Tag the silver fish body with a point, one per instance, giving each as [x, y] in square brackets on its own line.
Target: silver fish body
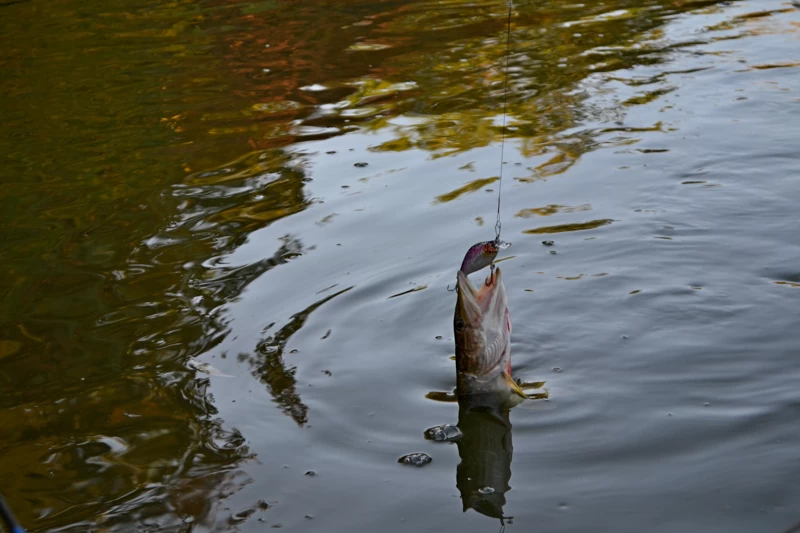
[482, 329]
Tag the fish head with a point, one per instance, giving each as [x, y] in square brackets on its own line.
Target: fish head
[482, 326]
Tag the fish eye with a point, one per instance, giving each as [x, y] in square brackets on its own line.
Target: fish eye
[459, 325]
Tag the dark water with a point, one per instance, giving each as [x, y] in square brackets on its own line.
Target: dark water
[178, 189]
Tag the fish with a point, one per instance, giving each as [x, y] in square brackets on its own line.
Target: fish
[482, 331]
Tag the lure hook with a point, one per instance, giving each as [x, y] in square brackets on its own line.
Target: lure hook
[490, 279]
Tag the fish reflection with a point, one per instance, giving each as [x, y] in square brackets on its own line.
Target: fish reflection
[483, 475]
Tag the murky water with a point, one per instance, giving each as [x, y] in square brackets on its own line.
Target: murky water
[228, 228]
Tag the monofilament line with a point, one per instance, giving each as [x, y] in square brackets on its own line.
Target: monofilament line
[498, 226]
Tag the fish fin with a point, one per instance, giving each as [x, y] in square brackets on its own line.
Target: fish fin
[442, 397]
[515, 388]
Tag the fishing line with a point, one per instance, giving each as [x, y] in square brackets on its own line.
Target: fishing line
[498, 225]
[482, 254]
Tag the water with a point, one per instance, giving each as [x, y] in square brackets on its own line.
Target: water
[443, 433]
[205, 296]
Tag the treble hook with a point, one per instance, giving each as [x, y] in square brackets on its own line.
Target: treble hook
[490, 279]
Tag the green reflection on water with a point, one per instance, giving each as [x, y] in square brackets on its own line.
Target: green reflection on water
[580, 226]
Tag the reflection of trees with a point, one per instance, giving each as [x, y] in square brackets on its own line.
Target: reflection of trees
[440, 62]
[227, 283]
[269, 366]
[220, 207]
[126, 433]
[486, 448]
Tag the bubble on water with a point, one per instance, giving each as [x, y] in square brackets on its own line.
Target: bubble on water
[415, 459]
[443, 433]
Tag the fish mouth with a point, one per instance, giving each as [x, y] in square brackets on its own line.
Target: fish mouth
[476, 304]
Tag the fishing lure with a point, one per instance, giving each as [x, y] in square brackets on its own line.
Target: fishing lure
[482, 255]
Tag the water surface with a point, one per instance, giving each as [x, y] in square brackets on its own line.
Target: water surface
[214, 316]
